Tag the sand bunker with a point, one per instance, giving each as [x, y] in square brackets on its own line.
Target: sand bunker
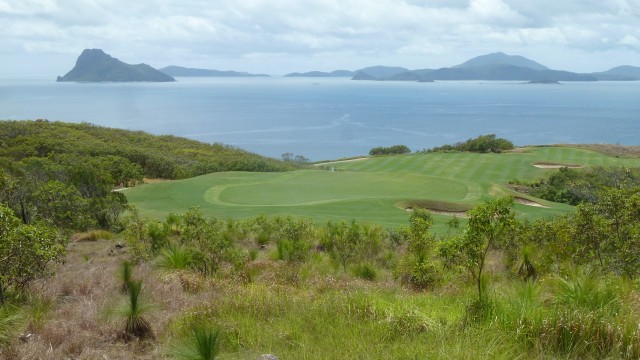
[528, 202]
[556, 166]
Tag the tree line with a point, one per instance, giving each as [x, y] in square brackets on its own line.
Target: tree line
[481, 144]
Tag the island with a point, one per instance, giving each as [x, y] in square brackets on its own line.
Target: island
[495, 66]
[94, 65]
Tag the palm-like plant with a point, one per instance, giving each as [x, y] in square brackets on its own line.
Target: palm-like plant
[126, 272]
[135, 325]
[175, 258]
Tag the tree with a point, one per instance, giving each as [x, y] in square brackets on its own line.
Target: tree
[489, 225]
[62, 205]
[25, 251]
[344, 242]
[391, 150]
[418, 268]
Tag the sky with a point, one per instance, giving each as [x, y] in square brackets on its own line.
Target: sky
[45, 37]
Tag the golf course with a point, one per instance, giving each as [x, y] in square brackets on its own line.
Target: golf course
[372, 190]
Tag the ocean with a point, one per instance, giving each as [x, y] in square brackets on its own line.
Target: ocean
[330, 118]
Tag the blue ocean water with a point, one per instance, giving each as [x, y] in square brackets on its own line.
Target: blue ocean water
[333, 118]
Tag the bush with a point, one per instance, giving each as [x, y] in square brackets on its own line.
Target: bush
[420, 273]
[480, 144]
[365, 271]
[391, 150]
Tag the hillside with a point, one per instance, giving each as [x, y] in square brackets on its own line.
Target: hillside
[96, 65]
[500, 58]
[623, 73]
[173, 70]
[496, 66]
[160, 156]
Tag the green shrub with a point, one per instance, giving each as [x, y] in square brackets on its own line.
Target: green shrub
[419, 273]
[158, 235]
[365, 271]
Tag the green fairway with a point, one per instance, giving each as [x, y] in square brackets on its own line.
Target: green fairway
[368, 190]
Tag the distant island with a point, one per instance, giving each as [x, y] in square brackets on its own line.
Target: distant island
[494, 66]
[173, 70]
[94, 65]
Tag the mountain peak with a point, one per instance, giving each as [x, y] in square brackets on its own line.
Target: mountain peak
[500, 58]
[96, 65]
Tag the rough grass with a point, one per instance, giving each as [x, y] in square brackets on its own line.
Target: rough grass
[315, 311]
[622, 151]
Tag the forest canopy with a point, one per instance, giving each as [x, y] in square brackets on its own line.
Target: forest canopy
[165, 156]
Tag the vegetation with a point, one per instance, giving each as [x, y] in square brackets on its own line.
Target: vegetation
[125, 155]
[508, 281]
[480, 144]
[25, 252]
[391, 150]
[576, 186]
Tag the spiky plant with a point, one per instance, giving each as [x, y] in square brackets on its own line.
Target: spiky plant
[203, 343]
[135, 325]
[175, 258]
[126, 273]
[527, 269]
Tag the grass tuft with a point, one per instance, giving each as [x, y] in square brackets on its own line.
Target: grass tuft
[202, 343]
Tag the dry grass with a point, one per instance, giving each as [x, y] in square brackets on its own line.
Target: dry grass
[609, 149]
[82, 290]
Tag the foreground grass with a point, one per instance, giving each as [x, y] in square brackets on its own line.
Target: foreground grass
[316, 311]
[373, 190]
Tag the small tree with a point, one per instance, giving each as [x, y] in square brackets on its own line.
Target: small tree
[488, 226]
[25, 251]
[418, 269]
[344, 242]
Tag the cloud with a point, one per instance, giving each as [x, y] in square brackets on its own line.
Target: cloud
[412, 33]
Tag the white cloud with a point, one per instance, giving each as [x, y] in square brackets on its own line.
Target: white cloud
[630, 40]
[234, 33]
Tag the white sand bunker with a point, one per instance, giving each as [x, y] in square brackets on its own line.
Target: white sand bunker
[556, 166]
[528, 202]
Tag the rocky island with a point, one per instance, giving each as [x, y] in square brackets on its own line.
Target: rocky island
[94, 65]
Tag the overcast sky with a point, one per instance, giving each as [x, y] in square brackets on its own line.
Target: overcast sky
[44, 37]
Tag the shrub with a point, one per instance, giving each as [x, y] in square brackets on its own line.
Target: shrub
[365, 271]
[419, 273]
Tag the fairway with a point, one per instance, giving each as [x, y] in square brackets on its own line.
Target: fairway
[366, 190]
